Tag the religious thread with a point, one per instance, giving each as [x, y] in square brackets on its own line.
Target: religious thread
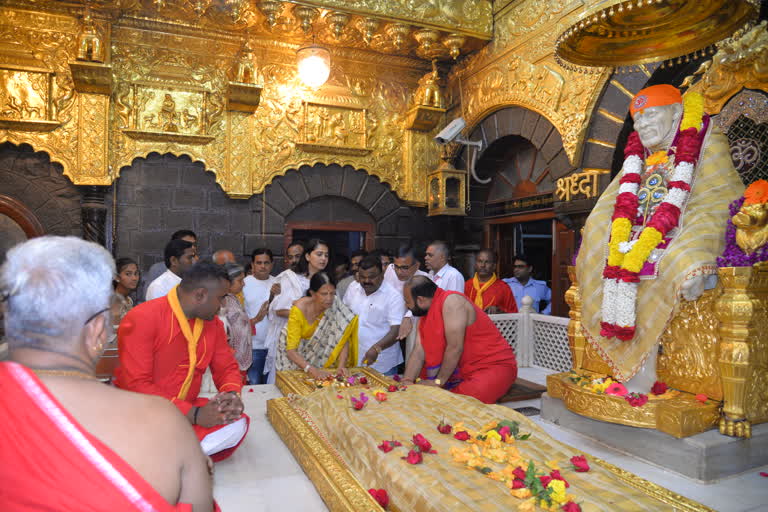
[627, 256]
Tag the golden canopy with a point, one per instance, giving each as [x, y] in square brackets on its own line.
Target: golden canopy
[630, 32]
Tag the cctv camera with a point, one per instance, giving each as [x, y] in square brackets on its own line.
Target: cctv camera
[450, 132]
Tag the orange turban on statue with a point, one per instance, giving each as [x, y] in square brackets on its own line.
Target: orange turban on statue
[655, 96]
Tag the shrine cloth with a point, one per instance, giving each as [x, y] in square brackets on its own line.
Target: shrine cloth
[51, 462]
[487, 367]
[155, 359]
[439, 483]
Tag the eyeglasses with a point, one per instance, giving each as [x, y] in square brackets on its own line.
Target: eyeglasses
[521, 266]
[95, 315]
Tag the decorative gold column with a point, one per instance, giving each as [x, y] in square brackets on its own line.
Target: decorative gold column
[735, 309]
[576, 339]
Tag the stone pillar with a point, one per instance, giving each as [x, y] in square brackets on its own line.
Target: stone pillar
[94, 213]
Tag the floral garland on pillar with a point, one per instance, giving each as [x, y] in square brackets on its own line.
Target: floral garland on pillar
[626, 257]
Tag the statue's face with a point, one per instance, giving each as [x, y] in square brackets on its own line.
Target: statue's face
[656, 125]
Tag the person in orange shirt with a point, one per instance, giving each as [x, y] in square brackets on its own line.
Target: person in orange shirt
[165, 346]
[485, 290]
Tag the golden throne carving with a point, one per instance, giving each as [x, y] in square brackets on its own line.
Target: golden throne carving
[716, 345]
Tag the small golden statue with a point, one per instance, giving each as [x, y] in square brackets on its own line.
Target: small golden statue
[429, 93]
[89, 47]
[244, 72]
[751, 221]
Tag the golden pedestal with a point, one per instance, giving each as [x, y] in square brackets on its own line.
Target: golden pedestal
[713, 346]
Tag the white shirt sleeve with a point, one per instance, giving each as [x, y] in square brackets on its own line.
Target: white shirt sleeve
[396, 309]
[453, 281]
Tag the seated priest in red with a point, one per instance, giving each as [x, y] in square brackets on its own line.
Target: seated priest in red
[69, 441]
[458, 347]
[485, 290]
[165, 346]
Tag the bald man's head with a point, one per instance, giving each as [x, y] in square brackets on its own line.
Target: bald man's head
[223, 256]
[418, 293]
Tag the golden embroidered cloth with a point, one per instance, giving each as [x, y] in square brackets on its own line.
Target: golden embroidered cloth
[693, 251]
[440, 484]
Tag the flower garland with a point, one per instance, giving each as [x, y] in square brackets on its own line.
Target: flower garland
[626, 257]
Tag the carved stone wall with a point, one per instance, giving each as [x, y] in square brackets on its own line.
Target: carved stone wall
[160, 194]
[31, 178]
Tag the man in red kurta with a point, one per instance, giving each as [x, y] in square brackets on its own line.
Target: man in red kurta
[165, 346]
[459, 347]
[489, 293]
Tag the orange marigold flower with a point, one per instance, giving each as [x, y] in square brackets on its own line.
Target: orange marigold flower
[756, 193]
[659, 157]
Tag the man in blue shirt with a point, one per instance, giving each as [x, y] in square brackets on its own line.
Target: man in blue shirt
[523, 285]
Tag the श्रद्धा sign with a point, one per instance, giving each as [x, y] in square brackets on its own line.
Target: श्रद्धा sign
[585, 182]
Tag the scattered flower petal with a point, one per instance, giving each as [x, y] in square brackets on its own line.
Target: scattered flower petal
[580, 463]
[462, 435]
[659, 388]
[702, 398]
[413, 457]
[381, 497]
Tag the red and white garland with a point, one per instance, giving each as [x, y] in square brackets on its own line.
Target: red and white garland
[626, 257]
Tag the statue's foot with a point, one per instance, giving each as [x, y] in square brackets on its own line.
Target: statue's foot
[735, 428]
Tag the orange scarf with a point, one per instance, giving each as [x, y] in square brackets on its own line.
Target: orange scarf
[480, 289]
[192, 336]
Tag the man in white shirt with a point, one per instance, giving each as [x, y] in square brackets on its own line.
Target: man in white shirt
[259, 290]
[444, 275]
[180, 255]
[354, 262]
[405, 266]
[380, 309]
[159, 268]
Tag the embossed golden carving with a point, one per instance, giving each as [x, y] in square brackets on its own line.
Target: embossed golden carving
[576, 340]
[741, 63]
[742, 310]
[203, 118]
[583, 183]
[470, 16]
[751, 223]
[89, 41]
[680, 416]
[691, 348]
[335, 483]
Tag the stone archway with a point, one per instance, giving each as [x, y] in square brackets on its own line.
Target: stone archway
[341, 194]
[33, 180]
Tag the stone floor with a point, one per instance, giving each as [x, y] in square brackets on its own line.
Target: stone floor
[264, 476]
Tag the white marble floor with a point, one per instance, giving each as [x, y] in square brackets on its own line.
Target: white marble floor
[263, 475]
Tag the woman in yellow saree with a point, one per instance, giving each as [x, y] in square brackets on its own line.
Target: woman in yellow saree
[321, 332]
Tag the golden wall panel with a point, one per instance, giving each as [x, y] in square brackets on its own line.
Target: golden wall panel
[169, 95]
[518, 68]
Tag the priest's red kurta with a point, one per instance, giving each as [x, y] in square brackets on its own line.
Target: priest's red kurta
[487, 367]
[154, 358]
[499, 294]
[50, 462]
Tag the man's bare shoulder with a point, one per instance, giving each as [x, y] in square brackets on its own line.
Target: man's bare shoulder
[455, 302]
